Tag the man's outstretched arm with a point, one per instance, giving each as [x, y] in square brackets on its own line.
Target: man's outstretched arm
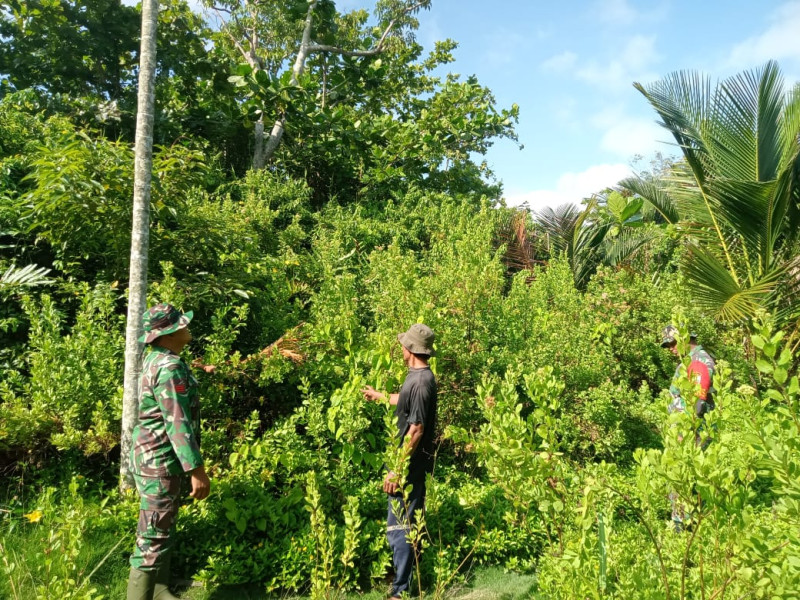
[370, 393]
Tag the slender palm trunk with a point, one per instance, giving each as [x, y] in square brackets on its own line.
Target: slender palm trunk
[140, 233]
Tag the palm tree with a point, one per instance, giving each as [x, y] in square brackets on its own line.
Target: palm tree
[595, 235]
[567, 233]
[735, 195]
[140, 233]
[524, 247]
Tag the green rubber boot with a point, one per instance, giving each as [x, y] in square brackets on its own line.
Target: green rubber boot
[140, 584]
[161, 590]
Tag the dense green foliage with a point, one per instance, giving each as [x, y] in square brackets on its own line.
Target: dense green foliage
[556, 455]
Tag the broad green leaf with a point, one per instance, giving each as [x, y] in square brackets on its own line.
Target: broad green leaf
[764, 366]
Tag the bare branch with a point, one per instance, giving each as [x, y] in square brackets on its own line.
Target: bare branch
[233, 38]
[391, 25]
[306, 48]
[219, 9]
[342, 52]
[253, 39]
[305, 42]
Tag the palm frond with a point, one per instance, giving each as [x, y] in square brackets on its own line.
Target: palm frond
[771, 99]
[792, 228]
[791, 150]
[521, 242]
[690, 199]
[568, 232]
[736, 197]
[589, 236]
[683, 101]
[27, 276]
[655, 193]
[783, 218]
[715, 289]
[628, 243]
[747, 207]
[559, 226]
[790, 132]
[789, 306]
[744, 133]
[586, 252]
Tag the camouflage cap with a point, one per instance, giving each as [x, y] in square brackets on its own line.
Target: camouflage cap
[163, 319]
[669, 333]
[418, 339]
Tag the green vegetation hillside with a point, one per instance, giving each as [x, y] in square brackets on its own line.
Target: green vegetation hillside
[556, 453]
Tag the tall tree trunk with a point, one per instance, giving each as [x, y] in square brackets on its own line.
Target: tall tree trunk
[265, 148]
[140, 234]
[274, 139]
[258, 145]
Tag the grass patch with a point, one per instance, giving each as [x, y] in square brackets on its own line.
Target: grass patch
[495, 584]
[63, 549]
[487, 584]
[28, 560]
[38, 563]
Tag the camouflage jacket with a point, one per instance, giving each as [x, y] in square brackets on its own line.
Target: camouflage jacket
[701, 371]
[166, 439]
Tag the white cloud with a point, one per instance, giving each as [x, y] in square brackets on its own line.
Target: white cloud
[571, 187]
[626, 135]
[634, 136]
[631, 64]
[429, 32]
[616, 11]
[560, 62]
[502, 47]
[781, 40]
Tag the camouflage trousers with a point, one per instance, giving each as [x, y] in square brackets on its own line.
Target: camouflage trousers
[158, 511]
[679, 513]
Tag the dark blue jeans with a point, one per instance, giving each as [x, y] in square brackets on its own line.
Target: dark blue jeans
[401, 517]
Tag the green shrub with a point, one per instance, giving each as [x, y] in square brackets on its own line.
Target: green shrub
[733, 541]
[71, 394]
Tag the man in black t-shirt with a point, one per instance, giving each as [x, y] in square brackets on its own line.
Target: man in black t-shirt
[416, 428]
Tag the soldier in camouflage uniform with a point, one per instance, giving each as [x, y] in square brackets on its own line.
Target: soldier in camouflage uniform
[701, 371]
[166, 445]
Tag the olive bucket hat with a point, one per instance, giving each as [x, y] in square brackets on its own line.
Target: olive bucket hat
[163, 319]
[418, 339]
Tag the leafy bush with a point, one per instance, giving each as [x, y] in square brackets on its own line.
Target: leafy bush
[734, 542]
[72, 394]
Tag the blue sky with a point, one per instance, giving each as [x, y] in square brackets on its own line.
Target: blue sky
[570, 65]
